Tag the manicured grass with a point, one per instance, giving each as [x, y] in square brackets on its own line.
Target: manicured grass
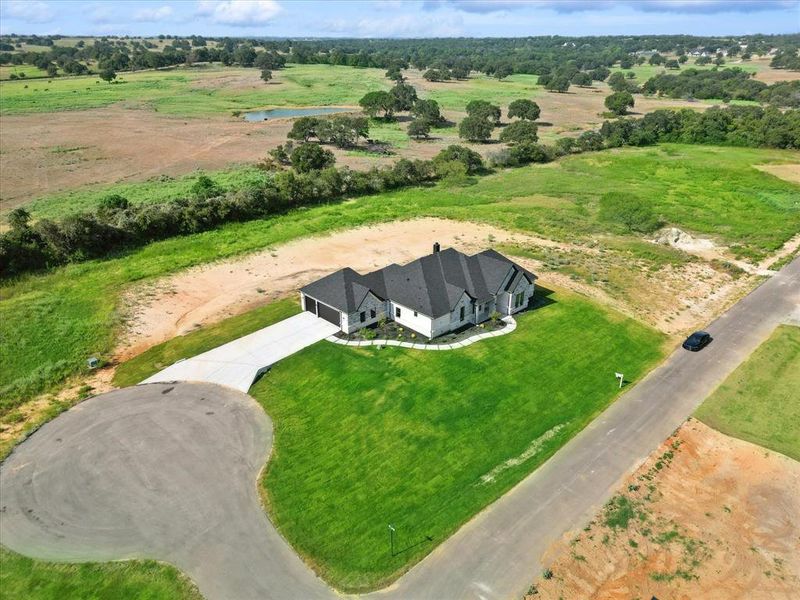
[202, 340]
[760, 401]
[22, 577]
[369, 437]
[50, 323]
[192, 91]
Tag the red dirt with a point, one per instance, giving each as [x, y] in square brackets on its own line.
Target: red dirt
[735, 511]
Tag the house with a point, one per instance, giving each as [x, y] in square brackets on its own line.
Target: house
[433, 295]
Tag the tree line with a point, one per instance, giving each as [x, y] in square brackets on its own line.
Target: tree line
[117, 225]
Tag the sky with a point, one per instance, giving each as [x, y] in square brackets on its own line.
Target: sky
[398, 18]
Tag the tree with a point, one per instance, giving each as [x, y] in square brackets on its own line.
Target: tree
[629, 210]
[600, 73]
[111, 204]
[672, 64]
[419, 128]
[518, 132]
[524, 109]
[266, 75]
[19, 218]
[342, 131]
[475, 129]
[559, 84]
[617, 82]
[471, 160]
[435, 75]
[657, 59]
[304, 128]
[503, 71]
[582, 79]
[626, 63]
[427, 110]
[311, 157]
[205, 188]
[374, 102]
[404, 97]
[484, 110]
[108, 75]
[52, 70]
[619, 102]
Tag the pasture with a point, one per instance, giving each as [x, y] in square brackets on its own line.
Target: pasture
[423, 440]
[52, 322]
[760, 401]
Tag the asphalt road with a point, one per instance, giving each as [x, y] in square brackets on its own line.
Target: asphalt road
[169, 471]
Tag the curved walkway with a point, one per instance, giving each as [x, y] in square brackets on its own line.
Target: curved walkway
[511, 325]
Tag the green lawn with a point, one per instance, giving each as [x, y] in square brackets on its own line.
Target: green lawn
[424, 440]
[22, 577]
[201, 340]
[50, 323]
[184, 91]
[760, 401]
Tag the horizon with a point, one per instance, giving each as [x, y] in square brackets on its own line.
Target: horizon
[400, 19]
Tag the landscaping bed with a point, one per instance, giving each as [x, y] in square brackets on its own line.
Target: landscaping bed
[391, 330]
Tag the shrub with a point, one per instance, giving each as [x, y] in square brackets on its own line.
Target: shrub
[629, 210]
[471, 160]
[519, 131]
[311, 157]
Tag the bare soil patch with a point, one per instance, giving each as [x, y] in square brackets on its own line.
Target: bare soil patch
[788, 172]
[710, 517]
[672, 299]
[44, 154]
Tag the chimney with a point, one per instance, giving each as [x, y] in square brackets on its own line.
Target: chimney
[436, 247]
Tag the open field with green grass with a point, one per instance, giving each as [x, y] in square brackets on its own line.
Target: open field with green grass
[29, 71]
[423, 440]
[50, 323]
[201, 340]
[760, 401]
[455, 95]
[645, 72]
[22, 577]
[197, 91]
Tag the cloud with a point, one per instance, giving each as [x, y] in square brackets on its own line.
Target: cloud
[397, 26]
[572, 6]
[30, 11]
[153, 15]
[239, 13]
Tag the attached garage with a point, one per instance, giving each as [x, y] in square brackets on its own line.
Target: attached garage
[329, 314]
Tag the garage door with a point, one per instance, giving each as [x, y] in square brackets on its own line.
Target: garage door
[329, 314]
[311, 305]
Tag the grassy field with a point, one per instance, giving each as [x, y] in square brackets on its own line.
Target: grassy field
[201, 340]
[455, 95]
[51, 323]
[645, 72]
[26, 70]
[197, 91]
[158, 189]
[22, 577]
[760, 401]
[424, 440]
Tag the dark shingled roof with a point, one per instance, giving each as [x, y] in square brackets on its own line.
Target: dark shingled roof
[431, 285]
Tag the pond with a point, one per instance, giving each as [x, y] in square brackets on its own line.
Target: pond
[288, 113]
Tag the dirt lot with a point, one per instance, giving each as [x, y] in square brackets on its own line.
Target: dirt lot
[672, 299]
[706, 516]
[787, 172]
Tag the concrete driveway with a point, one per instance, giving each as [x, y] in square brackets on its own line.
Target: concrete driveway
[164, 471]
[237, 363]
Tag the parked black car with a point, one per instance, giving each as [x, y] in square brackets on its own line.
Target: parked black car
[697, 341]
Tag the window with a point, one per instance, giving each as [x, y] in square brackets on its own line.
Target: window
[372, 313]
[363, 316]
[519, 299]
[461, 314]
[415, 313]
[397, 311]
